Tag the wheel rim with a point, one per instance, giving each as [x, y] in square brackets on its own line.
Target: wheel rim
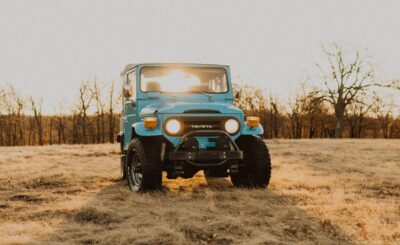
[135, 176]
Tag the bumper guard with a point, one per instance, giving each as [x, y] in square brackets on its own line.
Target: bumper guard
[191, 157]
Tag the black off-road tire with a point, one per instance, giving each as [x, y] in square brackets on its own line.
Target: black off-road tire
[147, 150]
[123, 157]
[123, 169]
[256, 171]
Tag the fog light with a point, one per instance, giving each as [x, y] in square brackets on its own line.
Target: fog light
[253, 122]
[150, 122]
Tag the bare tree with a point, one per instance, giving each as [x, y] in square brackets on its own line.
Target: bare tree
[112, 98]
[252, 101]
[356, 116]
[296, 113]
[51, 131]
[10, 112]
[60, 123]
[19, 121]
[275, 116]
[85, 99]
[74, 118]
[32, 135]
[296, 117]
[384, 113]
[316, 116]
[395, 128]
[36, 107]
[3, 127]
[344, 81]
[100, 125]
[12, 116]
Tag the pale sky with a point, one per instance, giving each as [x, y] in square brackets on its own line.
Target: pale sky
[48, 47]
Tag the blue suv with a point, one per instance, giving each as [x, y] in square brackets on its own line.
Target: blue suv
[180, 119]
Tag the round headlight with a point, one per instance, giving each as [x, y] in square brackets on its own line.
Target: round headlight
[173, 126]
[232, 126]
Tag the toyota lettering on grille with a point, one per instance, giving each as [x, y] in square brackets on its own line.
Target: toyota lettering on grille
[201, 126]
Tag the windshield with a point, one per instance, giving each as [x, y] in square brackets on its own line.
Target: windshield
[181, 80]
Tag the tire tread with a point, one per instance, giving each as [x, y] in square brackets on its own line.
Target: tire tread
[149, 153]
[257, 172]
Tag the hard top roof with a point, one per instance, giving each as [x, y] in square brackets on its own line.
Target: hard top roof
[131, 66]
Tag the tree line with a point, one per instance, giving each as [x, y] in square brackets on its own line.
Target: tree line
[346, 101]
[93, 119]
[307, 116]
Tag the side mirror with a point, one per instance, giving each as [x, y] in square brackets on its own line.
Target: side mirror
[127, 91]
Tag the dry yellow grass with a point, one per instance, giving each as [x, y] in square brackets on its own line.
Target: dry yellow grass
[322, 191]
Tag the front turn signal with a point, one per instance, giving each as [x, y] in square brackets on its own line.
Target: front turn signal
[253, 122]
[150, 122]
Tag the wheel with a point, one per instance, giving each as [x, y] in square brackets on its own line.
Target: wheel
[256, 171]
[123, 169]
[144, 165]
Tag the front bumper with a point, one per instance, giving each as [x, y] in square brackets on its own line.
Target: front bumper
[205, 155]
[200, 158]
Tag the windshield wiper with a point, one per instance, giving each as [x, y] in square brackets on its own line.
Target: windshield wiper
[210, 97]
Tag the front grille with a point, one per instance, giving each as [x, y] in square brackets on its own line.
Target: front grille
[199, 123]
[200, 111]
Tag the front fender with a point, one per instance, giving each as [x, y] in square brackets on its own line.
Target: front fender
[252, 131]
[142, 131]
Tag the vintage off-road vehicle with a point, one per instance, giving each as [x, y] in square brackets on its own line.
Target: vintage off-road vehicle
[180, 118]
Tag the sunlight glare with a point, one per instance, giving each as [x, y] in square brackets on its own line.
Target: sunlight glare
[178, 81]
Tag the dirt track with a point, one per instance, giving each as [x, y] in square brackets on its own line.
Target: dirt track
[322, 191]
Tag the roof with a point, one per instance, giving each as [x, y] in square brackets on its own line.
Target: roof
[131, 66]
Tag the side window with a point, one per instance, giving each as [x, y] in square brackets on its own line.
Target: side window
[218, 84]
[132, 81]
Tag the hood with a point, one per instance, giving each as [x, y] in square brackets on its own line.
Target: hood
[185, 107]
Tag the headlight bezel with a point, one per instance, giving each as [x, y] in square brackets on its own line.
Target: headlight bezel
[172, 120]
[237, 126]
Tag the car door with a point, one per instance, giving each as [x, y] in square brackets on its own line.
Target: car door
[130, 106]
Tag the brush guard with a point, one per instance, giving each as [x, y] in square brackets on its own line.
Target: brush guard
[192, 156]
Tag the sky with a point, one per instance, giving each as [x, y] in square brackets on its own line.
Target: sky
[48, 47]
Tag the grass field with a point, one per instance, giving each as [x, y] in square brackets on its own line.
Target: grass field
[321, 191]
